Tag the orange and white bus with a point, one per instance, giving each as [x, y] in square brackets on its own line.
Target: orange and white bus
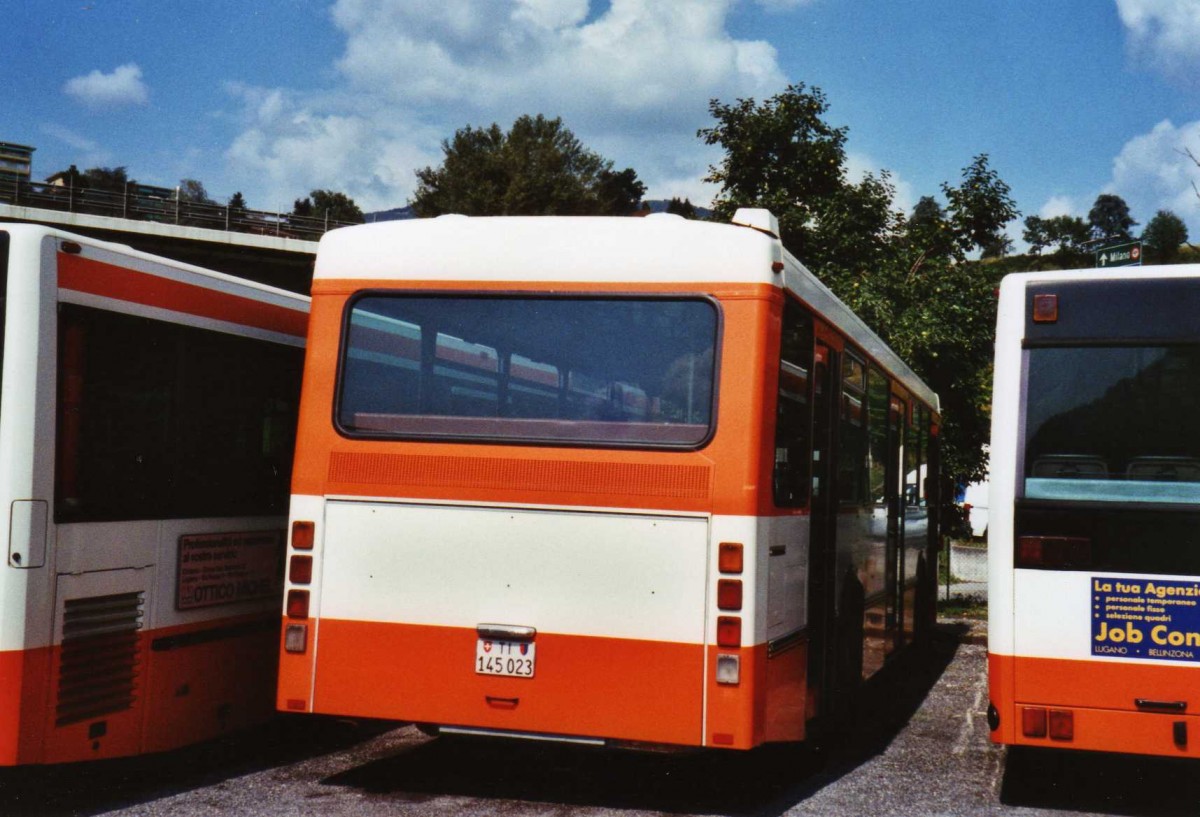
[147, 422]
[1094, 552]
[608, 480]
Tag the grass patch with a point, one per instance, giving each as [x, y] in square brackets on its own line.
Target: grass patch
[963, 607]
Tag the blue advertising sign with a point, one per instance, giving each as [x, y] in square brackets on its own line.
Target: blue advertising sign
[1146, 618]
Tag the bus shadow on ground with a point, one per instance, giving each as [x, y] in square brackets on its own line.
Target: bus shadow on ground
[766, 781]
[1132, 785]
[104, 785]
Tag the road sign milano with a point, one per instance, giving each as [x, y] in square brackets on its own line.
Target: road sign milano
[1120, 255]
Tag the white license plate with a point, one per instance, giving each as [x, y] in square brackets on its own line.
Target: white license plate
[513, 658]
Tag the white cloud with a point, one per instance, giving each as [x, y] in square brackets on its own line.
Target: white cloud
[294, 147]
[1059, 206]
[1165, 32]
[632, 80]
[1152, 173]
[98, 91]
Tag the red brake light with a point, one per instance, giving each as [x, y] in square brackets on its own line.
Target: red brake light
[1033, 722]
[1062, 724]
[303, 535]
[729, 557]
[1054, 551]
[300, 570]
[729, 594]
[297, 604]
[729, 631]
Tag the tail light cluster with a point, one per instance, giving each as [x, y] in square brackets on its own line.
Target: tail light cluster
[1063, 552]
[300, 572]
[730, 562]
[1038, 722]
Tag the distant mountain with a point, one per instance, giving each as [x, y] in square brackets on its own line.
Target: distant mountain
[401, 213]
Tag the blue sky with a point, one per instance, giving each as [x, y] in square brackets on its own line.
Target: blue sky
[274, 98]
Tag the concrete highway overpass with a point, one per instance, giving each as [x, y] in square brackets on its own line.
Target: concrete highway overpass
[273, 259]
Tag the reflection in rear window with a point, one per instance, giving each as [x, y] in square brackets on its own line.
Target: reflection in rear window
[609, 371]
[1113, 424]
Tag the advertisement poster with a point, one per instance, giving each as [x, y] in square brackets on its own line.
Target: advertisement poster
[1146, 618]
[227, 568]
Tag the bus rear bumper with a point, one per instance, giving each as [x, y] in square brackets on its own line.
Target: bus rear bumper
[1104, 730]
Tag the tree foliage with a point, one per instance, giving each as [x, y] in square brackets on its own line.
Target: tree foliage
[1067, 236]
[781, 155]
[329, 204]
[683, 207]
[538, 168]
[111, 179]
[908, 277]
[193, 191]
[1109, 218]
[979, 206]
[1163, 237]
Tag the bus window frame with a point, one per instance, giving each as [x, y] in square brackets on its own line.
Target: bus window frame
[543, 442]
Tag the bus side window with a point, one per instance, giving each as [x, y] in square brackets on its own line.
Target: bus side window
[853, 454]
[793, 413]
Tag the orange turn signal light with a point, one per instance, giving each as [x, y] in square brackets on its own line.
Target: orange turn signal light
[729, 557]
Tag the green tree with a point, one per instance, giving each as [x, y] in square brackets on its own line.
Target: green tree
[329, 205]
[1163, 237]
[237, 203]
[980, 206]
[908, 278]
[538, 168]
[1067, 235]
[682, 207]
[781, 155]
[193, 191]
[107, 178]
[1109, 218]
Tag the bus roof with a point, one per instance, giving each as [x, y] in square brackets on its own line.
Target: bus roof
[591, 250]
[148, 262]
[568, 249]
[1107, 273]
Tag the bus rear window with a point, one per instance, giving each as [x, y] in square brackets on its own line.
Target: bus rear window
[572, 370]
[1113, 424]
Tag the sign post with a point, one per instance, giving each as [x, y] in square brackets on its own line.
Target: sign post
[1128, 254]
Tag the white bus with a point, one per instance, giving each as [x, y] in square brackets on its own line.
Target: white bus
[147, 421]
[609, 480]
[1094, 532]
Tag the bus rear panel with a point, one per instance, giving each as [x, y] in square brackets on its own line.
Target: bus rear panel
[1094, 575]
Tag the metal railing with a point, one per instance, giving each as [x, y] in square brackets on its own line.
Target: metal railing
[164, 206]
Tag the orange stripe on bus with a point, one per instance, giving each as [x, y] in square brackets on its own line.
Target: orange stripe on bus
[106, 280]
[1101, 695]
[584, 686]
[198, 689]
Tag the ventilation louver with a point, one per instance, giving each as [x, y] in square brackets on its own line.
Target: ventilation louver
[101, 655]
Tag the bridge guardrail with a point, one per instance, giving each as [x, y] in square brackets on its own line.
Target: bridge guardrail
[162, 205]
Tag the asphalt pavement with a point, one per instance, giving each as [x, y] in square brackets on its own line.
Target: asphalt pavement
[918, 745]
